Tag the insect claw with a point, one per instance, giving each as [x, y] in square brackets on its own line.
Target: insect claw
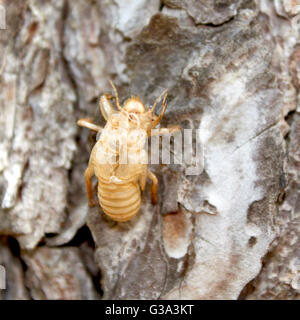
[154, 199]
[92, 203]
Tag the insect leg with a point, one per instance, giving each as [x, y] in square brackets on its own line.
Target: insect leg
[164, 107]
[154, 186]
[89, 172]
[165, 92]
[143, 179]
[106, 107]
[87, 123]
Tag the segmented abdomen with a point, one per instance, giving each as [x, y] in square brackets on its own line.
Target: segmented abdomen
[120, 202]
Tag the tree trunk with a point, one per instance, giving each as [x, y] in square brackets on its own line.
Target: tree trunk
[232, 70]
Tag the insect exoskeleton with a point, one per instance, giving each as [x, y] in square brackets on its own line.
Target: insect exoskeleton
[119, 159]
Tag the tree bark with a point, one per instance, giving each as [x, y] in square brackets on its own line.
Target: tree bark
[232, 70]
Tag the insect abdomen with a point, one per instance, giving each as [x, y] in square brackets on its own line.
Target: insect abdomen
[120, 202]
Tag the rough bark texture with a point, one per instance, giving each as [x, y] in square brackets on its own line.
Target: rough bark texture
[233, 73]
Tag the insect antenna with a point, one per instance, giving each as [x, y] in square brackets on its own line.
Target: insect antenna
[116, 94]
